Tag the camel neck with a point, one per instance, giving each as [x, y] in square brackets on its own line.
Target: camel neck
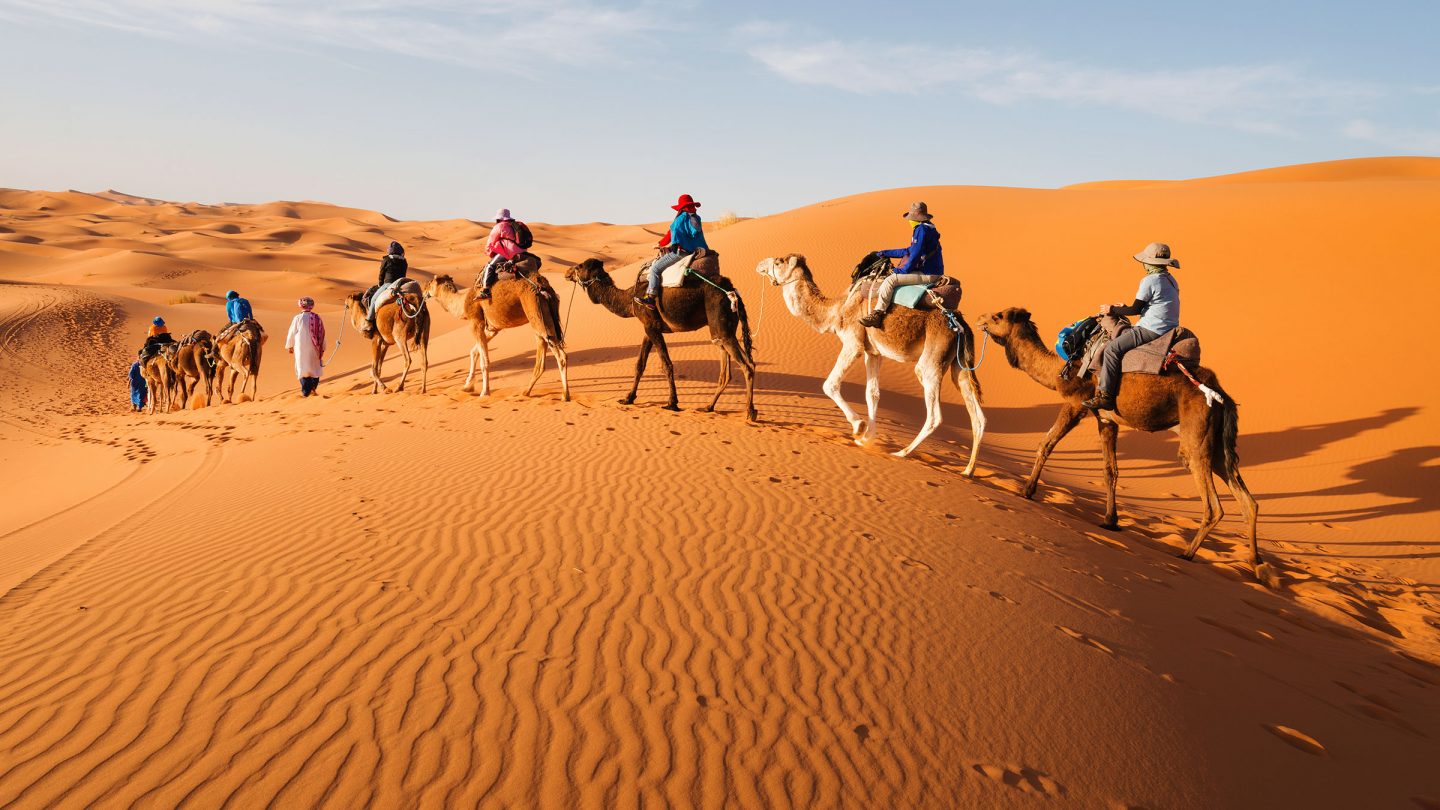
[1027, 353]
[603, 291]
[454, 300]
[805, 301]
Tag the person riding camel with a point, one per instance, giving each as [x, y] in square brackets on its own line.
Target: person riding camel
[686, 235]
[502, 246]
[158, 335]
[237, 309]
[392, 269]
[1158, 301]
[924, 263]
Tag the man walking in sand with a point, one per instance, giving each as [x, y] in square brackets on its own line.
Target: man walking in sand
[306, 340]
[924, 263]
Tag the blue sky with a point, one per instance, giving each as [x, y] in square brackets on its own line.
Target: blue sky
[579, 110]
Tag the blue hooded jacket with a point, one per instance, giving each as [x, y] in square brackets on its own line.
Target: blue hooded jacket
[238, 309]
[924, 239]
[686, 233]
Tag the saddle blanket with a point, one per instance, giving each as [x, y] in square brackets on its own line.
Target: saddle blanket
[917, 296]
[1147, 358]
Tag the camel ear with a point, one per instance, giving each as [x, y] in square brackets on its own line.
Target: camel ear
[1020, 315]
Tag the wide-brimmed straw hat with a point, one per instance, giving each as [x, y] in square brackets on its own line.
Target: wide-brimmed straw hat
[918, 213]
[1158, 254]
[684, 202]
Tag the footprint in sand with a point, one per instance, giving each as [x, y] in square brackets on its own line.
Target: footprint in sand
[1003, 598]
[1022, 778]
[914, 563]
[1298, 739]
[1084, 639]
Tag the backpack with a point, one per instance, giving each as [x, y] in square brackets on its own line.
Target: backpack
[523, 237]
[1070, 343]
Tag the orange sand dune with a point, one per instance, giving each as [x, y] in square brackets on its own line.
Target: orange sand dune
[439, 599]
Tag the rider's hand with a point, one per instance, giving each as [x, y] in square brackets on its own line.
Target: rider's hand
[1104, 309]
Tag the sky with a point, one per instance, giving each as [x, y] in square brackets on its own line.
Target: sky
[582, 110]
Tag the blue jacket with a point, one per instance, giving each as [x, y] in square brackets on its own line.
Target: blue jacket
[686, 233]
[137, 386]
[238, 309]
[923, 240]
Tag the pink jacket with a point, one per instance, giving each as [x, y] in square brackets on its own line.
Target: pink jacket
[503, 241]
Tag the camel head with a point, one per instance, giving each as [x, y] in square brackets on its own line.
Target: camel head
[1006, 323]
[587, 272]
[782, 270]
[441, 283]
[354, 304]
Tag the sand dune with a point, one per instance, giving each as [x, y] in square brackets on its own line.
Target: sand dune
[444, 600]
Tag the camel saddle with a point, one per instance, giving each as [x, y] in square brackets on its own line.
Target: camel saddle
[195, 337]
[1147, 358]
[400, 286]
[703, 262]
[946, 291]
[525, 264]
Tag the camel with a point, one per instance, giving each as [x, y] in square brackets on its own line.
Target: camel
[238, 353]
[681, 309]
[1147, 402]
[923, 339]
[402, 321]
[512, 303]
[159, 378]
[194, 360]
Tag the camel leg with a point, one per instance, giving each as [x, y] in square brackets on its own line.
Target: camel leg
[724, 381]
[484, 367]
[404, 355]
[1199, 463]
[1065, 421]
[872, 395]
[645, 346]
[849, 352]
[977, 421]
[669, 372]
[747, 367]
[424, 367]
[1251, 511]
[470, 376]
[1109, 432]
[539, 364]
[377, 361]
[563, 361]
[930, 378]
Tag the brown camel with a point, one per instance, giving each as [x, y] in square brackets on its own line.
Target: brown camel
[921, 338]
[681, 309]
[403, 321]
[193, 364]
[513, 302]
[238, 354]
[1147, 402]
[159, 378]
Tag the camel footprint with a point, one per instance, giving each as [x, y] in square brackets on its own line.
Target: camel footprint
[1022, 778]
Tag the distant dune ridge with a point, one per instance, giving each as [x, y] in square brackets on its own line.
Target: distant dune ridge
[423, 600]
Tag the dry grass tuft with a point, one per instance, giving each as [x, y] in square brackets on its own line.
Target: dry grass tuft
[185, 298]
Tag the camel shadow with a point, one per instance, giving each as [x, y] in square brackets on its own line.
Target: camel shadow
[1271, 447]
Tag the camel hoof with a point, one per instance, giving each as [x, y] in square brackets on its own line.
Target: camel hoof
[708, 409]
[1111, 525]
[675, 408]
[1187, 556]
[900, 453]
[626, 401]
[1028, 493]
[752, 416]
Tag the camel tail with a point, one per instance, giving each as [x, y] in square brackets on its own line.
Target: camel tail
[745, 338]
[963, 368]
[1223, 452]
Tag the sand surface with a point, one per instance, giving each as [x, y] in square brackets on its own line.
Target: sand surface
[442, 600]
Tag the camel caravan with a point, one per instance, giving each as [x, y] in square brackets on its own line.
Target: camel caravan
[1145, 375]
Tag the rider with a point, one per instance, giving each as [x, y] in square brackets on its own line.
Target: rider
[686, 235]
[237, 309]
[924, 263]
[503, 245]
[392, 268]
[1158, 301]
[159, 334]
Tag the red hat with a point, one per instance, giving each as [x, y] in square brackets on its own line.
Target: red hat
[685, 201]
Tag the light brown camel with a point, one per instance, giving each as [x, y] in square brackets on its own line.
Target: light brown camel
[193, 364]
[921, 338]
[1148, 402]
[512, 303]
[238, 354]
[681, 309]
[402, 321]
[159, 378]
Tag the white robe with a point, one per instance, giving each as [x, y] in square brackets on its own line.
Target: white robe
[307, 356]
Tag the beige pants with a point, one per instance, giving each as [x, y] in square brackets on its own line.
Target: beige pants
[886, 294]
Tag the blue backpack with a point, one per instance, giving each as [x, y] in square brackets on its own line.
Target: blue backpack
[1070, 343]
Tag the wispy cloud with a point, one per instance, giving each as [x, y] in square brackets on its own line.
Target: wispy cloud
[497, 34]
[1257, 98]
[1401, 139]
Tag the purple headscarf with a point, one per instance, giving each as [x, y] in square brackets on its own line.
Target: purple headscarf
[397, 249]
